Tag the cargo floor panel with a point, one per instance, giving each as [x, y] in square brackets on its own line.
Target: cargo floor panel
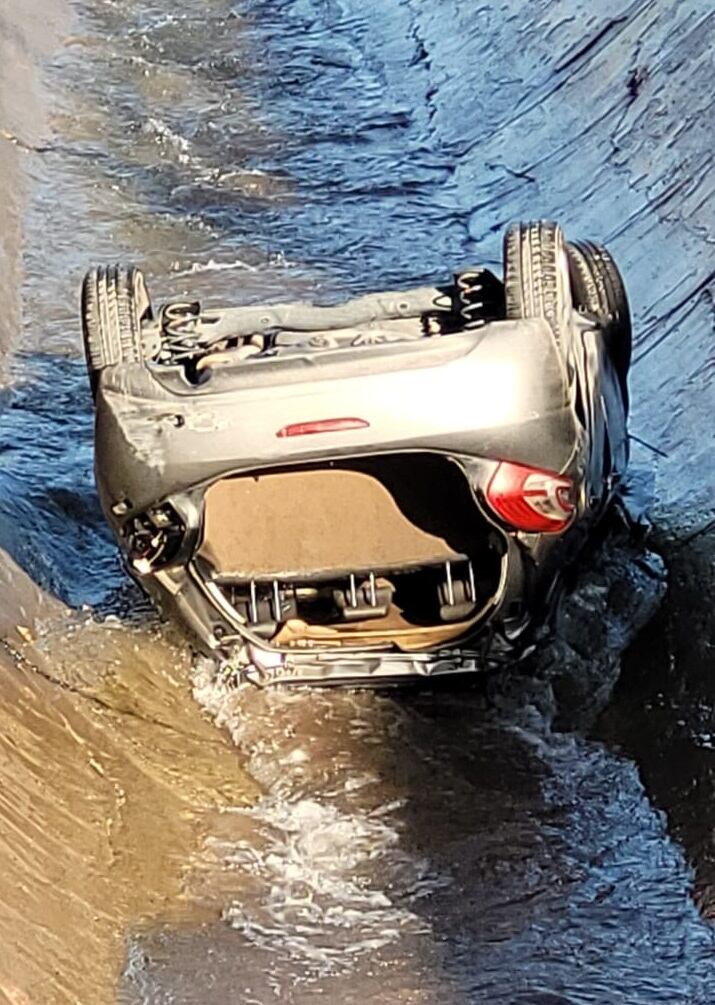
[391, 549]
[385, 513]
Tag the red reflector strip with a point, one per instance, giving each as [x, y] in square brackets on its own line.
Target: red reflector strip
[321, 426]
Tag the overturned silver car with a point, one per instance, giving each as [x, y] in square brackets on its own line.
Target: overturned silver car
[389, 487]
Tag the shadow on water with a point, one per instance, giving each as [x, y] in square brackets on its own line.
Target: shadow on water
[662, 714]
[50, 520]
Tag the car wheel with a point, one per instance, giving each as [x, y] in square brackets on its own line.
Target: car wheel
[115, 301]
[536, 276]
[598, 288]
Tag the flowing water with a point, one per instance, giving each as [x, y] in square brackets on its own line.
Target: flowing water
[497, 843]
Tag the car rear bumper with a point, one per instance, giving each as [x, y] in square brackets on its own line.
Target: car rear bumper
[497, 393]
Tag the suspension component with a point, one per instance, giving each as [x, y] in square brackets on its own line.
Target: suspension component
[179, 338]
[479, 297]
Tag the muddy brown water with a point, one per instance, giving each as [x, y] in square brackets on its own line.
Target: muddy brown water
[164, 838]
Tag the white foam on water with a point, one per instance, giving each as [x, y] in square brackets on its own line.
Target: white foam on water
[165, 134]
[213, 266]
[327, 880]
[319, 904]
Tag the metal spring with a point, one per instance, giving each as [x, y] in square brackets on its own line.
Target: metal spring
[178, 322]
[469, 287]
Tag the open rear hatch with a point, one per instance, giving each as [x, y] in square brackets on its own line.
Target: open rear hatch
[389, 550]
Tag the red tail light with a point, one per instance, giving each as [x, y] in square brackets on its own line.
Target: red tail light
[530, 499]
[322, 426]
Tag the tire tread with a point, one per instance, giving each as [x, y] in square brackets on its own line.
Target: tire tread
[534, 282]
[599, 289]
[111, 324]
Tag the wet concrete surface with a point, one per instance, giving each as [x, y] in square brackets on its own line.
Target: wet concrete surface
[520, 840]
[24, 42]
[108, 776]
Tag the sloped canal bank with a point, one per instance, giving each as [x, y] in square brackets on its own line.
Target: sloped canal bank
[445, 846]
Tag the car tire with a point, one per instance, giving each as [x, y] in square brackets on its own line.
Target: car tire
[115, 301]
[598, 288]
[536, 275]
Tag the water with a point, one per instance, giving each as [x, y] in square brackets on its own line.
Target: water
[444, 846]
